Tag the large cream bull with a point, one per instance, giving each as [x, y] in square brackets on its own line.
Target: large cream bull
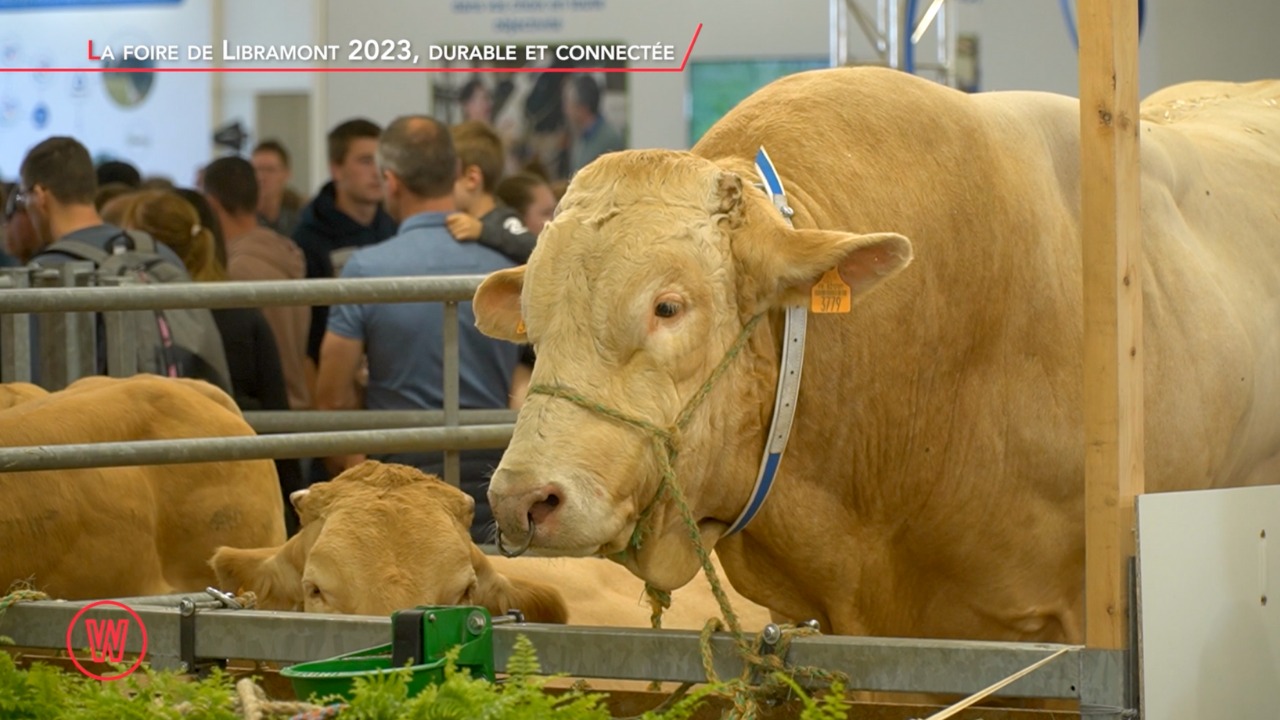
[120, 531]
[933, 485]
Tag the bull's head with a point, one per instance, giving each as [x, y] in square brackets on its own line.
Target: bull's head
[638, 289]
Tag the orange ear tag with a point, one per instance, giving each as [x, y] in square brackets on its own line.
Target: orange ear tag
[830, 294]
[520, 327]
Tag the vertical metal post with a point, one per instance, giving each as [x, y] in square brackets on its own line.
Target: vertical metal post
[81, 329]
[882, 27]
[15, 337]
[894, 32]
[839, 32]
[951, 38]
[943, 49]
[50, 329]
[122, 341]
[122, 338]
[452, 471]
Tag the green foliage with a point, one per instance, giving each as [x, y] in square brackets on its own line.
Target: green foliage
[833, 706]
[462, 697]
[46, 693]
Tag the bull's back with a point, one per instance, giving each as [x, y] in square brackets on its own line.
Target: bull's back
[996, 177]
[1212, 163]
[603, 593]
[973, 352]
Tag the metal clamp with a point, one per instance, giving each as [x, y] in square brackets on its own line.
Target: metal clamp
[769, 638]
[513, 615]
[188, 609]
[187, 635]
[227, 600]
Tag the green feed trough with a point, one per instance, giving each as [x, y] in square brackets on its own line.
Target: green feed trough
[421, 637]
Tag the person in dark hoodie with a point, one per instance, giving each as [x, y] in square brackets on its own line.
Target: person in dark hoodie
[346, 214]
[259, 253]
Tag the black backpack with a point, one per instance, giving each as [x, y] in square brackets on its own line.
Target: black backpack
[172, 343]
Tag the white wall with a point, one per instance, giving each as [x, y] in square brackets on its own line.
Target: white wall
[1216, 39]
[1025, 44]
[278, 22]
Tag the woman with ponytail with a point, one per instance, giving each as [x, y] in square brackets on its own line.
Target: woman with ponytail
[252, 356]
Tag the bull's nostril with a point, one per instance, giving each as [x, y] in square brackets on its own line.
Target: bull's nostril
[542, 509]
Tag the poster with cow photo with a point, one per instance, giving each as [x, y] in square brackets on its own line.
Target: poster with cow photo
[549, 122]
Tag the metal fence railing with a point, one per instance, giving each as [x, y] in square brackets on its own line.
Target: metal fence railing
[66, 299]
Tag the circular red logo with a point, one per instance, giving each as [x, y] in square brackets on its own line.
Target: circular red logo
[107, 639]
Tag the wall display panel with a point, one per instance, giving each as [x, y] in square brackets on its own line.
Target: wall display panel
[527, 108]
[651, 103]
[716, 86]
[160, 122]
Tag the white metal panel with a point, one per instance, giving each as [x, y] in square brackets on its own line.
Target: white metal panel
[1210, 616]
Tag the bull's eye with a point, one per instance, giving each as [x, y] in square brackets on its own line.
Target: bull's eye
[666, 309]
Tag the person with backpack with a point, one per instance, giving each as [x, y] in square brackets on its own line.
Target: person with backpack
[257, 379]
[58, 186]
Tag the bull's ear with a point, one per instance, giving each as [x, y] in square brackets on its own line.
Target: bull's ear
[497, 305]
[786, 271]
[313, 502]
[462, 506]
[459, 503]
[726, 198]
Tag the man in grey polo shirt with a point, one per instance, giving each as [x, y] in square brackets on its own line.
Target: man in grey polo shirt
[404, 342]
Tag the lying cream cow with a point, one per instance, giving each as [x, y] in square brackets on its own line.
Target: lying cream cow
[382, 537]
[119, 531]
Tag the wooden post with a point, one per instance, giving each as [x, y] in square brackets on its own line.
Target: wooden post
[1113, 356]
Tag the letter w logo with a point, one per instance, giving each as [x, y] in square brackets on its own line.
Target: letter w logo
[106, 639]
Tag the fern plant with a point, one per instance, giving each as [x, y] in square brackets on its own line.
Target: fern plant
[42, 692]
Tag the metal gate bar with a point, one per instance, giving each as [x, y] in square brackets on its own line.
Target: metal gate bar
[295, 421]
[872, 664]
[291, 445]
[240, 294]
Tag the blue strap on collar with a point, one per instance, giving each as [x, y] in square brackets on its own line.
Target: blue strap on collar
[784, 406]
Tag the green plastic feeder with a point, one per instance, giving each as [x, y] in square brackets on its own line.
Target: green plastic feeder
[420, 638]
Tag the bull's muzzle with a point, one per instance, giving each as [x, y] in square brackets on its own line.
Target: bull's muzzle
[521, 514]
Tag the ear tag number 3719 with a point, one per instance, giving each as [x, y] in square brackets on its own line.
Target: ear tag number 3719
[830, 294]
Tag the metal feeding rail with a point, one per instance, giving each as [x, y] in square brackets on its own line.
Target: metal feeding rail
[188, 631]
[65, 300]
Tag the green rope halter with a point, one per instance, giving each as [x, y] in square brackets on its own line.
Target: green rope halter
[668, 439]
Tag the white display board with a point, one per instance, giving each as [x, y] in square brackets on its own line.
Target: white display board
[160, 122]
[1210, 611]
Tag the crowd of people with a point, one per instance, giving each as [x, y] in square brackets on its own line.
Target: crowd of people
[416, 198]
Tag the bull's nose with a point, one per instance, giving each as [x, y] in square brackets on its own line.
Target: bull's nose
[520, 510]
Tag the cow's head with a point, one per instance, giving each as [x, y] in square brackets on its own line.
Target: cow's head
[379, 538]
[654, 265]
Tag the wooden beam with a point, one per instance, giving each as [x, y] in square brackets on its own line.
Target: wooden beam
[1113, 356]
